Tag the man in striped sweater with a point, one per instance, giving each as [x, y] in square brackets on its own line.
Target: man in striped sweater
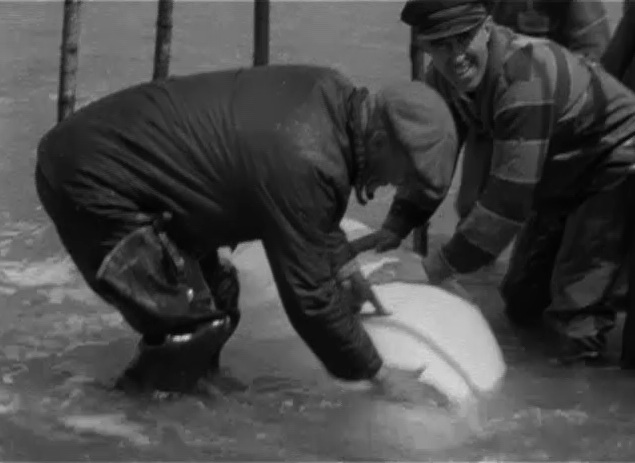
[562, 132]
[580, 25]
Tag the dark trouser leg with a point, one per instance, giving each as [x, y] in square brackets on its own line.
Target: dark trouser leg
[526, 288]
[130, 262]
[154, 285]
[592, 253]
[162, 291]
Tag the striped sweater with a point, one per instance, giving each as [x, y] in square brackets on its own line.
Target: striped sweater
[580, 25]
[555, 120]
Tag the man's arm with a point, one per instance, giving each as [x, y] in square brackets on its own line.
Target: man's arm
[586, 29]
[306, 249]
[522, 129]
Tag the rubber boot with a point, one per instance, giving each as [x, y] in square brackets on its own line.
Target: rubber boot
[178, 363]
[590, 351]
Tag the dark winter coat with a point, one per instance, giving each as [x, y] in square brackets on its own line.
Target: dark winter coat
[236, 155]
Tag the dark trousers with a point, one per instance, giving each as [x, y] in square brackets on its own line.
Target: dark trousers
[127, 258]
[594, 248]
[568, 265]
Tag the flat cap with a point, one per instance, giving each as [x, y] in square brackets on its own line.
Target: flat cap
[421, 121]
[436, 19]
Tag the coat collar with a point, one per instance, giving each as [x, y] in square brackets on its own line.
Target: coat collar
[356, 129]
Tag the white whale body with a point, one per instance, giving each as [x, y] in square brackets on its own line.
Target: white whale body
[429, 326]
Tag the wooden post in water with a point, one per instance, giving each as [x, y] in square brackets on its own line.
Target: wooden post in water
[163, 42]
[420, 237]
[69, 59]
[417, 58]
[261, 32]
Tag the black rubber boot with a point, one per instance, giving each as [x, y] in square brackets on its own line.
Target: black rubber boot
[178, 363]
[590, 351]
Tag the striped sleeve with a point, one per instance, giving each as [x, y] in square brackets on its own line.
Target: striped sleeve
[522, 129]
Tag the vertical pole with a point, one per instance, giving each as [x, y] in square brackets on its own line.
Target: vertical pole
[261, 32]
[628, 331]
[163, 40]
[420, 238]
[417, 58]
[69, 59]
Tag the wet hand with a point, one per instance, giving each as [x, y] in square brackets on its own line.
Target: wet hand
[359, 289]
[365, 293]
[400, 385]
[407, 269]
[385, 382]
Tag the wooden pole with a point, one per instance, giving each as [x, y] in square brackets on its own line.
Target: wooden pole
[69, 59]
[417, 58]
[163, 42]
[420, 235]
[261, 32]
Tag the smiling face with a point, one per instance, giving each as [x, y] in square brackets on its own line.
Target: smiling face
[462, 58]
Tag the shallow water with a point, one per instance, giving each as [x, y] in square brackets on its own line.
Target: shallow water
[62, 351]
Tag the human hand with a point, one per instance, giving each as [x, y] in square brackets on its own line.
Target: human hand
[400, 385]
[359, 289]
[363, 292]
[407, 269]
[387, 240]
[380, 241]
[453, 286]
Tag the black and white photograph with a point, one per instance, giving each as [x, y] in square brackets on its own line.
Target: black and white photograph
[317, 230]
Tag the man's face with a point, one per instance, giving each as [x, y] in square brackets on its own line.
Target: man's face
[462, 58]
